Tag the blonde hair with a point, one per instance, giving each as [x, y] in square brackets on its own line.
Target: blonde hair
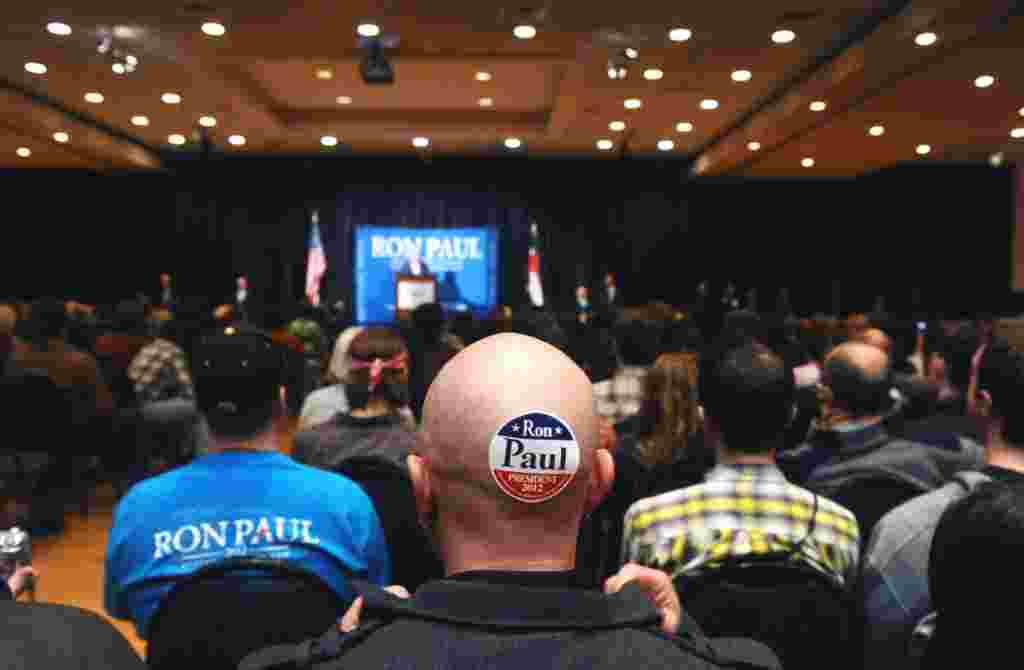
[670, 401]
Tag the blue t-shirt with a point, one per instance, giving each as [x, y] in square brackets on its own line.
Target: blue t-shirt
[238, 503]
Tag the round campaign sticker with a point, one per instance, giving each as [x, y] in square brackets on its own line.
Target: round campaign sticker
[534, 457]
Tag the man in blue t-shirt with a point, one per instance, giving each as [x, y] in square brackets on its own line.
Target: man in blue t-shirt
[244, 498]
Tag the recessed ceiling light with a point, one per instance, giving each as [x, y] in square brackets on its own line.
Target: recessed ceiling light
[343, 100]
[61, 137]
[680, 34]
[807, 162]
[484, 76]
[754, 146]
[923, 149]
[58, 28]
[214, 29]
[421, 142]
[653, 74]
[118, 68]
[632, 103]
[684, 127]
[995, 160]
[325, 73]
[709, 103]
[818, 106]
[926, 39]
[1017, 133]
[485, 102]
[513, 142]
[207, 121]
[876, 131]
[368, 29]
[666, 145]
[783, 36]
[177, 139]
[140, 120]
[171, 98]
[94, 97]
[617, 126]
[35, 68]
[525, 32]
[632, 53]
[24, 152]
[329, 141]
[236, 140]
[741, 75]
[984, 81]
[605, 145]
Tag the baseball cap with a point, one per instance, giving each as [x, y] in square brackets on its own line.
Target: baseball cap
[237, 376]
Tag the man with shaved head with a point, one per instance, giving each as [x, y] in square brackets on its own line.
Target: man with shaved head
[876, 338]
[507, 466]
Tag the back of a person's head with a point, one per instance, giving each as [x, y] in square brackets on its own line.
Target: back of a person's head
[670, 402]
[541, 325]
[958, 351]
[276, 317]
[49, 318]
[638, 342]
[599, 353]
[429, 320]
[1001, 379]
[377, 369]
[748, 392]
[130, 317]
[857, 376]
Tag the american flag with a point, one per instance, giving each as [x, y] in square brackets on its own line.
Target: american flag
[316, 263]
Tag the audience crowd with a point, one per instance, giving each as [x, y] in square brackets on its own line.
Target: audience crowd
[627, 489]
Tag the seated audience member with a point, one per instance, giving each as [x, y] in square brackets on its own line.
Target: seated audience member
[858, 443]
[748, 400]
[894, 583]
[510, 599]
[973, 563]
[130, 334]
[8, 342]
[376, 386]
[430, 347]
[17, 583]
[160, 371]
[621, 398]
[244, 496]
[322, 405]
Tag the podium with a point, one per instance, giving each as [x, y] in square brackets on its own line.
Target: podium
[411, 291]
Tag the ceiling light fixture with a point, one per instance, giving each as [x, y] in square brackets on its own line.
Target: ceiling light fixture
[325, 74]
[754, 146]
[485, 102]
[61, 137]
[783, 36]
[140, 120]
[923, 149]
[525, 32]
[684, 127]
[653, 74]
[709, 104]
[24, 152]
[207, 121]
[605, 145]
[118, 68]
[177, 139]
[995, 160]
[632, 103]
[368, 29]
[35, 68]
[984, 81]
[876, 131]
[214, 29]
[807, 162]
[741, 76]
[1017, 133]
[631, 53]
[617, 126]
[926, 39]
[329, 141]
[666, 145]
[513, 143]
[94, 97]
[818, 106]
[58, 28]
[171, 98]
[237, 140]
[483, 76]
[421, 142]
[680, 34]
[616, 71]
[343, 100]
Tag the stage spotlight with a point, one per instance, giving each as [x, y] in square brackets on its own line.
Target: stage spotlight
[375, 68]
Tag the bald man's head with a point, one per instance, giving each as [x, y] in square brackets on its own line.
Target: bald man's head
[538, 400]
[858, 376]
[876, 338]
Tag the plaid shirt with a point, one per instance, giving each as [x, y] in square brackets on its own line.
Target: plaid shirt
[740, 511]
[160, 372]
[621, 396]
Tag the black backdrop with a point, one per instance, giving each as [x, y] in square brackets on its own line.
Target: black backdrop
[945, 229]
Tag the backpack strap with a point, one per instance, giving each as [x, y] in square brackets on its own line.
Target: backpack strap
[304, 655]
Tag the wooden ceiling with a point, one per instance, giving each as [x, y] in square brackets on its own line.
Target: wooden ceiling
[277, 75]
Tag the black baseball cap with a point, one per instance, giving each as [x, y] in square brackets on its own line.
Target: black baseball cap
[238, 373]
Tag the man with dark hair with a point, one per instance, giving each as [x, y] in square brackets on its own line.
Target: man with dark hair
[748, 395]
[243, 498]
